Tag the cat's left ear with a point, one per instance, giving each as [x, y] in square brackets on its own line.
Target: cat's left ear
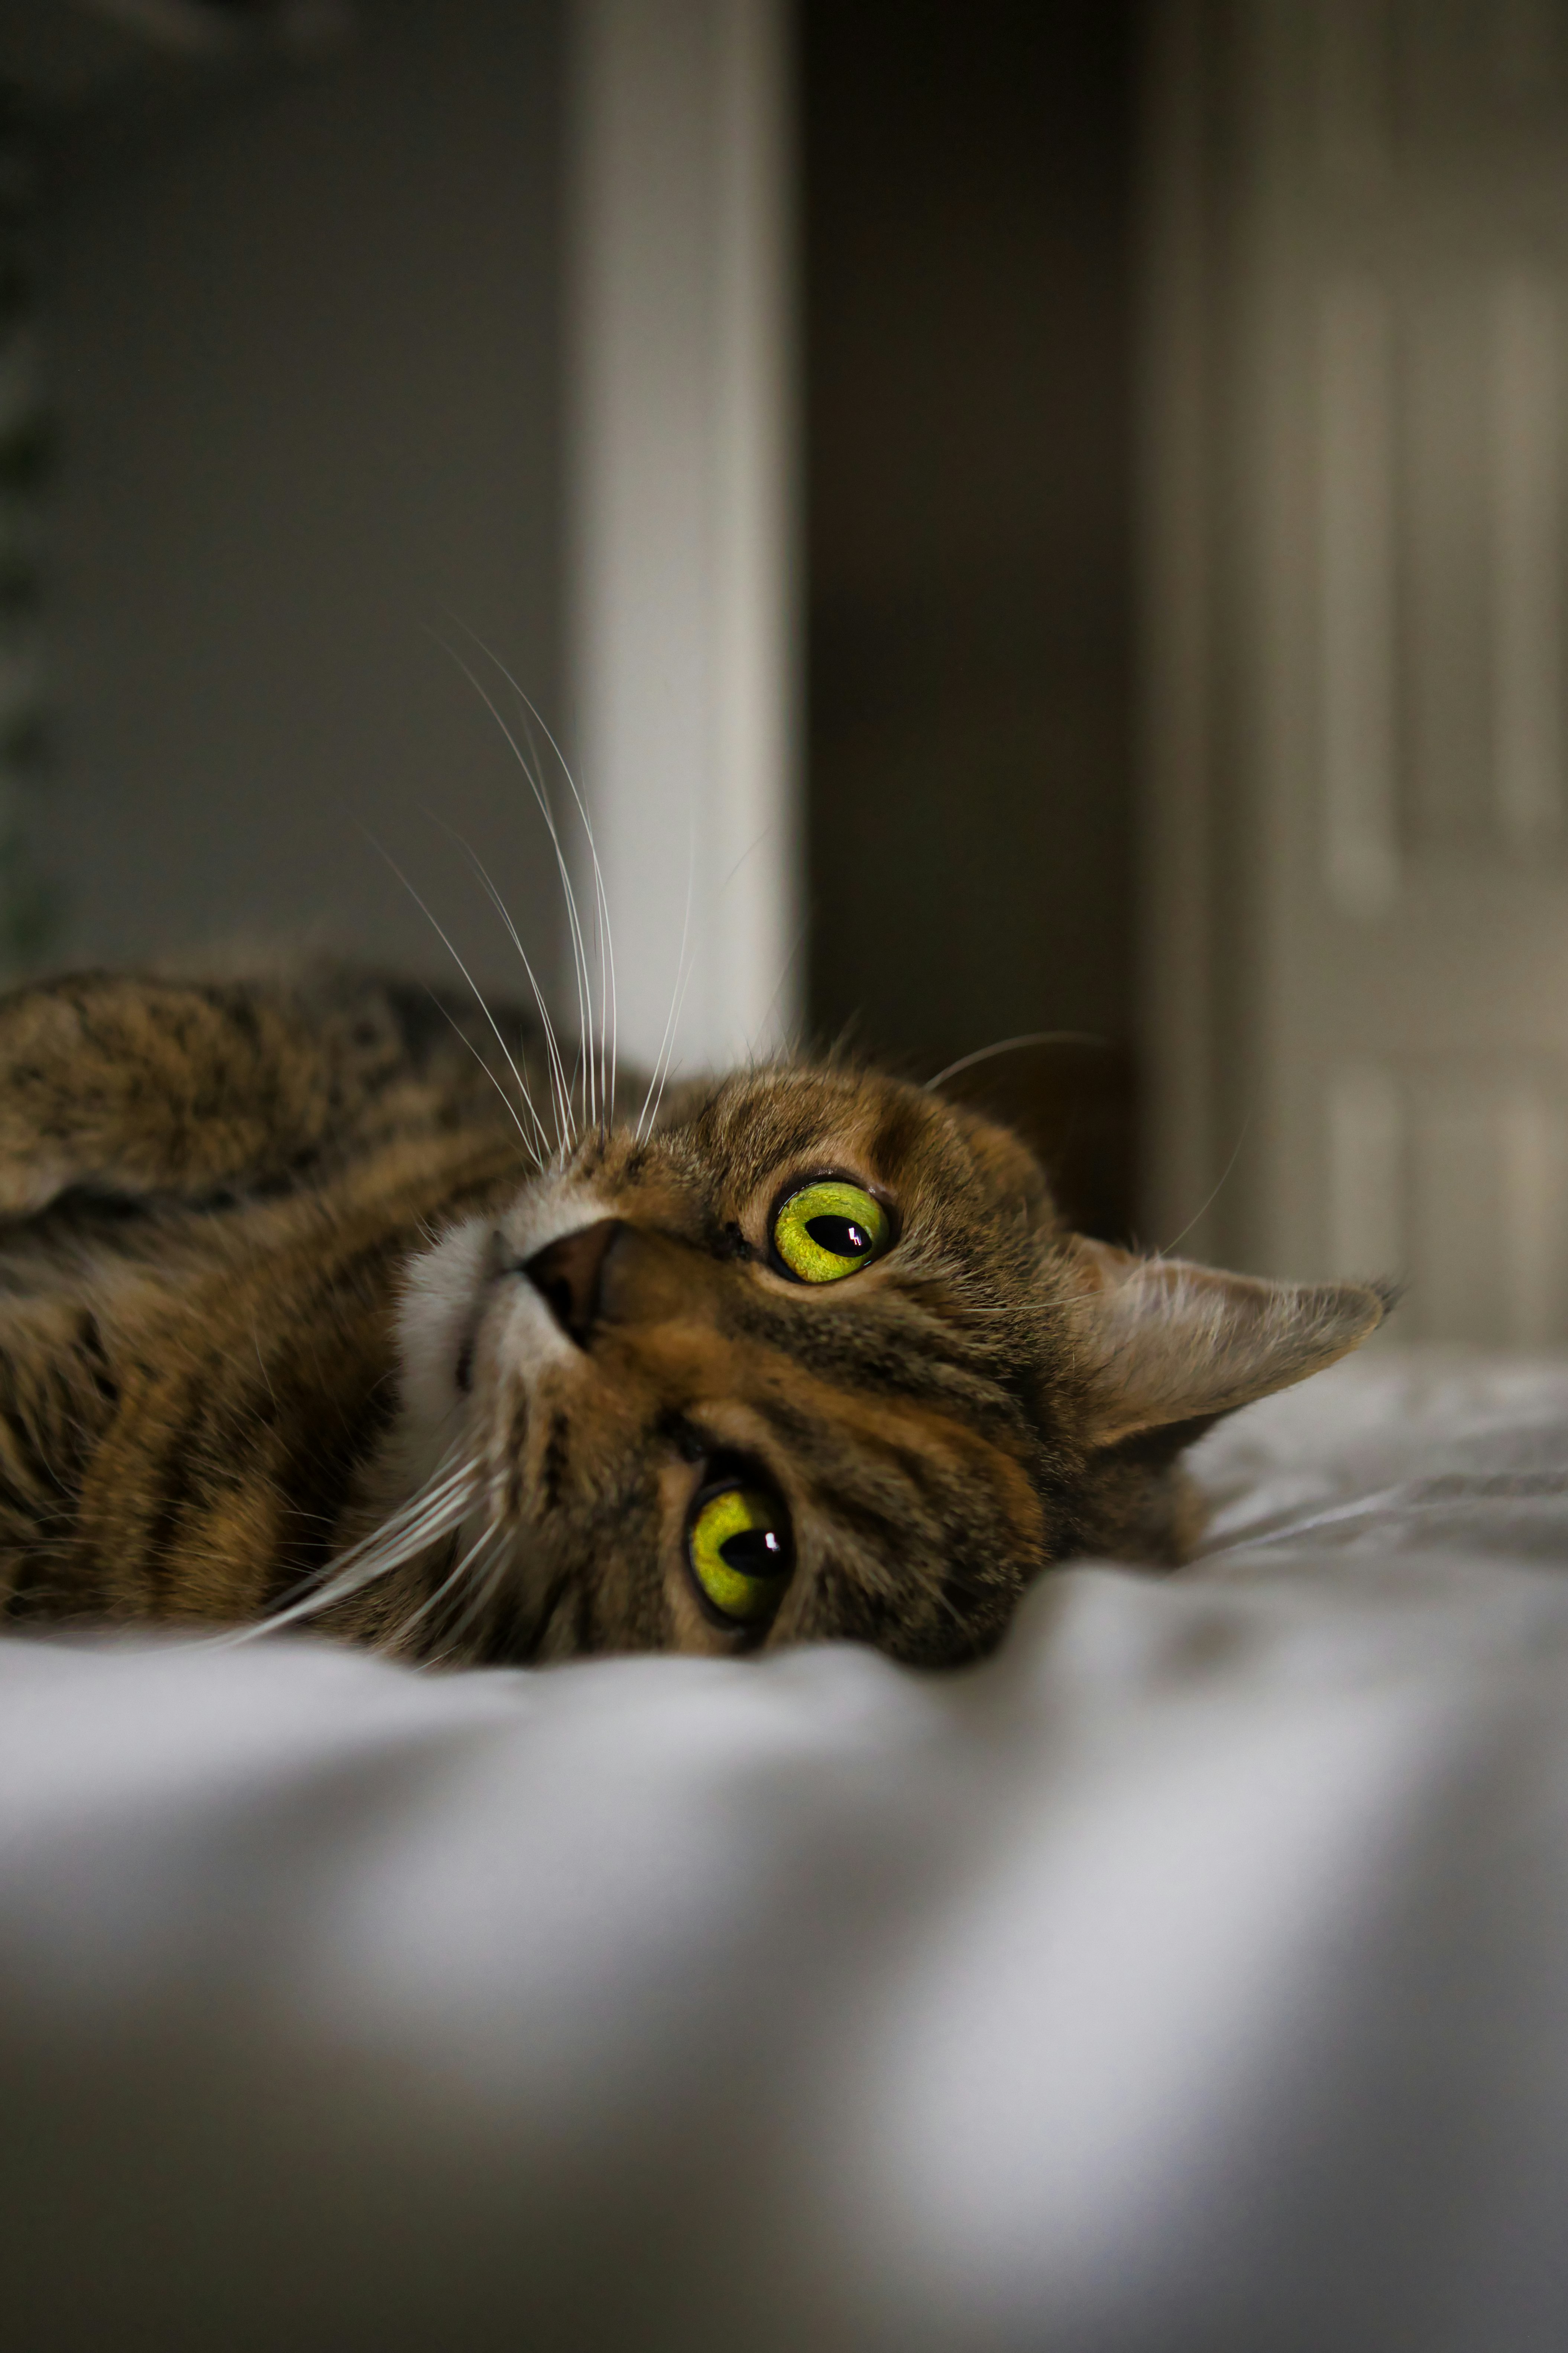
[1168, 1342]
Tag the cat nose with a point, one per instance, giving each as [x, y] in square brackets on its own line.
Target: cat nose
[566, 1275]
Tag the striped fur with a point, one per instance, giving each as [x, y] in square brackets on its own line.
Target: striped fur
[265, 1347]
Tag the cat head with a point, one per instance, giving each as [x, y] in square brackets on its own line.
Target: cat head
[812, 1359]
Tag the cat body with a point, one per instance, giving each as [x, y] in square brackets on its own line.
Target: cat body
[301, 1318]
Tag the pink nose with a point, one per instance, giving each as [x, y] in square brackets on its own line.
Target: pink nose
[567, 1274]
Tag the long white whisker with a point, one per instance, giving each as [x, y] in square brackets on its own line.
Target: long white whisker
[531, 1146]
[457, 960]
[590, 1106]
[439, 1506]
[579, 952]
[778, 987]
[608, 1013]
[388, 1548]
[602, 896]
[676, 993]
[1224, 1175]
[553, 1048]
[592, 1109]
[675, 1027]
[557, 1066]
[485, 1588]
[1009, 1045]
[582, 979]
[430, 1499]
[458, 1570]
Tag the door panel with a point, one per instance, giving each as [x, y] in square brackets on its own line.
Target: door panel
[1378, 268]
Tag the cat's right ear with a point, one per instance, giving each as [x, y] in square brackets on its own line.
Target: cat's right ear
[1166, 1342]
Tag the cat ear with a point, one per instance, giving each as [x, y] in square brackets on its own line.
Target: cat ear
[1168, 1342]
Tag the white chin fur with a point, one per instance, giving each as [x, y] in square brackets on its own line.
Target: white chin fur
[434, 1318]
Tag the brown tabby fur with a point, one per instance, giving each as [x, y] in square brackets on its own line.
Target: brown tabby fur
[263, 1301]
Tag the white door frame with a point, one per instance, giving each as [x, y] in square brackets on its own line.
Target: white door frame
[682, 573]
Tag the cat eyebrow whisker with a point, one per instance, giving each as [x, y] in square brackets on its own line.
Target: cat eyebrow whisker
[1011, 1045]
[761, 1032]
[530, 1145]
[646, 1117]
[602, 911]
[1224, 1179]
[591, 1112]
[669, 1058]
[536, 786]
[560, 1093]
[468, 975]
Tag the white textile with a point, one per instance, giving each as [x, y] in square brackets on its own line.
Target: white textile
[1189, 1978]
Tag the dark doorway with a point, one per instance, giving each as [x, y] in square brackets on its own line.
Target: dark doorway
[968, 175]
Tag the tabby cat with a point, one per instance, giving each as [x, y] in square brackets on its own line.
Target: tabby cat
[295, 1328]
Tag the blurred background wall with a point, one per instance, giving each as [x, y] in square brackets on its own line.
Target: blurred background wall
[301, 318]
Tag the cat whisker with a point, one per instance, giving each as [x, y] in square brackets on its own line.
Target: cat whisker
[468, 975]
[486, 1586]
[606, 943]
[1011, 1045]
[392, 1546]
[579, 951]
[1207, 1206]
[576, 930]
[431, 1500]
[552, 1047]
[454, 1575]
[666, 1042]
[784, 970]
[532, 1145]
[608, 1010]
[442, 1503]
[670, 1059]
[591, 1111]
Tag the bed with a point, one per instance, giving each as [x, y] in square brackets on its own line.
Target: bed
[1191, 1976]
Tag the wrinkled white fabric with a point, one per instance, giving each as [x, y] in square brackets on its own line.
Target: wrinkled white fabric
[1191, 1977]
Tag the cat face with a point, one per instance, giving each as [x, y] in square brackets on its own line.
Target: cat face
[814, 1359]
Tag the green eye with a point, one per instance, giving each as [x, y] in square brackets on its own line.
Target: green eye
[830, 1229]
[740, 1552]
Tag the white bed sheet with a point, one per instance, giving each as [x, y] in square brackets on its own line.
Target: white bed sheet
[1192, 1977]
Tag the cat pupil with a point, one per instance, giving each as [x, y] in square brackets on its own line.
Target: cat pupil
[752, 1552]
[842, 1236]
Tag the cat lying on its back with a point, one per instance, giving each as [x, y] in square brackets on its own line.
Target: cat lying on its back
[289, 1322]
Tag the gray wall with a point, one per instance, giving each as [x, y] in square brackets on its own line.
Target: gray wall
[304, 341]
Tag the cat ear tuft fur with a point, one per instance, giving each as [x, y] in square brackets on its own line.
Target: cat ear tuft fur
[1166, 1341]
